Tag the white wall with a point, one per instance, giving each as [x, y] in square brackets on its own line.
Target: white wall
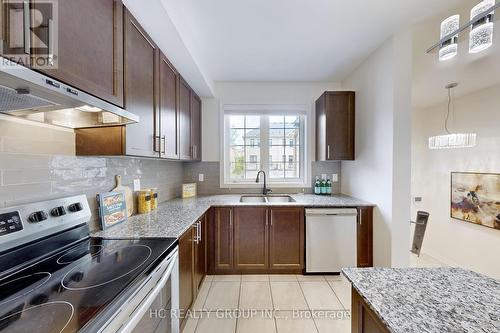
[452, 241]
[305, 93]
[381, 172]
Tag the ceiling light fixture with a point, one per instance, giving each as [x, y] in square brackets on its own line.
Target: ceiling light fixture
[451, 140]
[481, 34]
[449, 48]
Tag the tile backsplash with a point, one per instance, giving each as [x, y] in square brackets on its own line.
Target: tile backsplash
[211, 183]
[32, 172]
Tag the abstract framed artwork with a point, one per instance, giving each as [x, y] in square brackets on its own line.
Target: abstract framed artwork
[475, 198]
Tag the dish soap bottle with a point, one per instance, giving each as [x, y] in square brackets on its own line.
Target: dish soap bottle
[328, 186]
[317, 186]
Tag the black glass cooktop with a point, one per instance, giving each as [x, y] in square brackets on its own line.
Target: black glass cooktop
[69, 290]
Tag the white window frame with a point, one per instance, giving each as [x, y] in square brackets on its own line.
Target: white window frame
[266, 110]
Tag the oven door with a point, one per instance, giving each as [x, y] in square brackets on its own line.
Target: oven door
[153, 308]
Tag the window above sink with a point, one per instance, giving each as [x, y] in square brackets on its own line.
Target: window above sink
[269, 138]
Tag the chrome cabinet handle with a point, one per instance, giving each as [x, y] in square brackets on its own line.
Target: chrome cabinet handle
[200, 235]
[156, 143]
[328, 152]
[27, 31]
[51, 42]
[164, 139]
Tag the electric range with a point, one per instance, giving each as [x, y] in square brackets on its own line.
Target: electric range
[55, 278]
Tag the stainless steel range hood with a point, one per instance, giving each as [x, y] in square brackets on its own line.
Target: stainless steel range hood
[27, 94]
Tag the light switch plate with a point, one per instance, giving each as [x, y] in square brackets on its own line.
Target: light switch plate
[201, 177]
[335, 178]
[137, 185]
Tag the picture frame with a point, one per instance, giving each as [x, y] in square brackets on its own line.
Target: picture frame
[475, 198]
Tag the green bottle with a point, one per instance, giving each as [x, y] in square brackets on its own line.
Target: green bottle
[317, 186]
[328, 186]
[323, 186]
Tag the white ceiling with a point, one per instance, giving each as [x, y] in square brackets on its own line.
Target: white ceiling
[289, 40]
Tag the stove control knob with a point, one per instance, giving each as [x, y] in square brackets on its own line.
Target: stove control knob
[58, 211]
[76, 207]
[38, 217]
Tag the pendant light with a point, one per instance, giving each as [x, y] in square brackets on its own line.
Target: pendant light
[451, 140]
[449, 48]
[481, 34]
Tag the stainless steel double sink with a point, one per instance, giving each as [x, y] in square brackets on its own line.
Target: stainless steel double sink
[266, 198]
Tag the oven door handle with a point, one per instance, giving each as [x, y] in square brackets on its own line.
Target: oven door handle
[146, 303]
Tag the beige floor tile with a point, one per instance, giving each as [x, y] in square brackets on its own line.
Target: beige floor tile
[223, 295]
[282, 278]
[295, 322]
[320, 296]
[256, 325]
[190, 326]
[333, 277]
[255, 278]
[255, 296]
[226, 278]
[288, 296]
[212, 324]
[312, 278]
[202, 296]
[342, 289]
[333, 325]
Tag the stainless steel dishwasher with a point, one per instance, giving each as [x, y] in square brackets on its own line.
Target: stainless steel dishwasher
[330, 239]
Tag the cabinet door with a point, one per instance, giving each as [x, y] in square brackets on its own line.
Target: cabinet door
[13, 30]
[89, 47]
[141, 55]
[186, 270]
[250, 238]
[195, 127]
[287, 238]
[223, 251]
[200, 253]
[185, 120]
[365, 237]
[339, 122]
[169, 115]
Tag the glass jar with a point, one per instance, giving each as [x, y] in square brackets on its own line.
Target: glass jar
[144, 201]
[154, 198]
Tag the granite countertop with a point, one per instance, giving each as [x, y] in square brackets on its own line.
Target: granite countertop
[431, 300]
[174, 217]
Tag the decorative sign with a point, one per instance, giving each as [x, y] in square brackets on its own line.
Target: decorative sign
[475, 198]
[188, 190]
[112, 208]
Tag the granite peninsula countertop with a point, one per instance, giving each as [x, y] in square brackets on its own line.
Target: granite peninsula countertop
[430, 300]
[174, 217]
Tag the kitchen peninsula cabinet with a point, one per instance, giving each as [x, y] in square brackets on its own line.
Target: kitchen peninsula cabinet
[335, 126]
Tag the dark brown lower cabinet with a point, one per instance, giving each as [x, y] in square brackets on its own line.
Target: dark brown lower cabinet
[259, 240]
[363, 319]
[365, 237]
[200, 253]
[251, 238]
[286, 240]
[186, 263]
[222, 236]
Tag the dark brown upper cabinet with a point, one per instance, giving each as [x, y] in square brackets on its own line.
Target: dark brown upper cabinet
[195, 127]
[141, 59]
[89, 47]
[169, 111]
[185, 120]
[335, 126]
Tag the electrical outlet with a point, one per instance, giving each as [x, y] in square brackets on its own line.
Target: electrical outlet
[335, 178]
[418, 199]
[137, 185]
[201, 177]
